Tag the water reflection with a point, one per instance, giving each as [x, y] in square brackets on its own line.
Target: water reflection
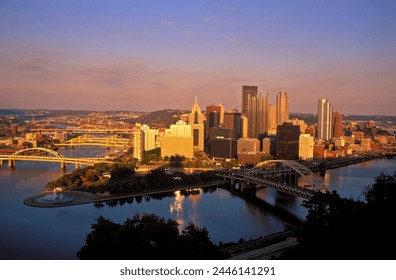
[176, 208]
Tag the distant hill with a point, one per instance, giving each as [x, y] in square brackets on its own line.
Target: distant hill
[161, 118]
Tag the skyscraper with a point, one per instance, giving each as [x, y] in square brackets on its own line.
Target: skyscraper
[214, 117]
[287, 141]
[282, 108]
[337, 122]
[196, 120]
[246, 92]
[257, 115]
[271, 119]
[325, 119]
[232, 119]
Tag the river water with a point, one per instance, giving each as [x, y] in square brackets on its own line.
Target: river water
[58, 233]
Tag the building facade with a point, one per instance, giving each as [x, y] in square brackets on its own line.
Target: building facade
[337, 125]
[305, 147]
[325, 119]
[287, 141]
[282, 108]
[246, 92]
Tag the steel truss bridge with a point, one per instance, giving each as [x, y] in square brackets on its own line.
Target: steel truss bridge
[84, 129]
[88, 140]
[48, 155]
[282, 175]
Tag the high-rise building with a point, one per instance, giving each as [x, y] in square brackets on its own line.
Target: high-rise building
[337, 123]
[137, 143]
[222, 143]
[149, 137]
[215, 108]
[196, 121]
[282, 108]
[305, 150]
[245, 126]
[287, 138]
[214, 117]
[14, 129]
[325, 119]
[178, 140]
[271, 119]
[246, 92]
[233, 119]
[196, 116]
[257, 115]
[212, 120]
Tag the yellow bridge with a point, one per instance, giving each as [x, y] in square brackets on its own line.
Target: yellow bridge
[88, 140]
[48, 155]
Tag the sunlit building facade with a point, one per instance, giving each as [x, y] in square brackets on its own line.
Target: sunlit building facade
[178, 140]
[282, 108]
[325, 119]
[247, 91]
[305, 150]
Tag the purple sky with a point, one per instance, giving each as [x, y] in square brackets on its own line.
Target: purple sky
[152, 54]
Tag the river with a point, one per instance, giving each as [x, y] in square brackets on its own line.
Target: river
[57, 233]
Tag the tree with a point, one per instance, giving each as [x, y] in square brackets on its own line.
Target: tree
[176, 161]
[340, 228]
[144, 237]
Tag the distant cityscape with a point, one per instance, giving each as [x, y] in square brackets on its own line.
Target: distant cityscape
[258, 131]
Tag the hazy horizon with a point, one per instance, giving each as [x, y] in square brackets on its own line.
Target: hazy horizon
[152, 55]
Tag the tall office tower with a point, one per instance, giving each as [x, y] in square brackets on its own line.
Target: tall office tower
[233, 119]
[215, 108]
[222, 143]
[245, 126]
[213, 120]
[246, 92]
[282, 108]
[287, 138]
[196, 116]
[337, 123]
[271, 119]
[196, 120]
[325, 119]
[210, 121]
[257, 115]
[305, 148]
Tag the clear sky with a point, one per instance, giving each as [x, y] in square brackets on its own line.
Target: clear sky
[156, 54]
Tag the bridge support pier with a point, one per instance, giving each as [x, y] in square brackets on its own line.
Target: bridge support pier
[63, 165]
[78, 165]
[11, 163]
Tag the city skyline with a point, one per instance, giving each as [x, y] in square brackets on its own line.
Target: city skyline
[139, 55]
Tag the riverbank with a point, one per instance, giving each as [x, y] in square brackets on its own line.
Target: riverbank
[47, 199]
